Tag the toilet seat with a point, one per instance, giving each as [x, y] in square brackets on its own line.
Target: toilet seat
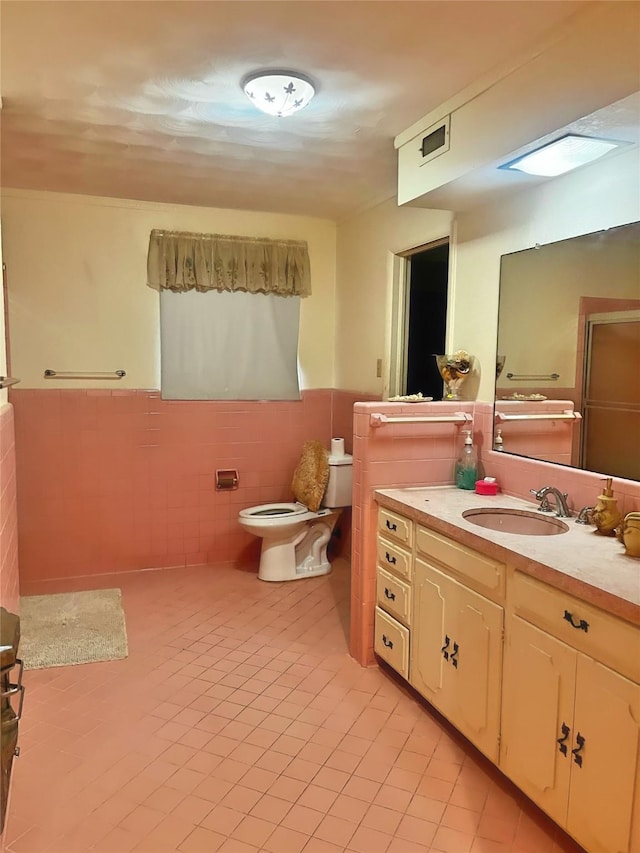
[275, 512]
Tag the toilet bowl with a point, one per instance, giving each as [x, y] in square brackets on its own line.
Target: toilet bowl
[295, 539]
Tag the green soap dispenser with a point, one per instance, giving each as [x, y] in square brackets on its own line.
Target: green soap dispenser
[467, 464]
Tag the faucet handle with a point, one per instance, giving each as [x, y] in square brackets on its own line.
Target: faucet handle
[584, 516]
[544, 501]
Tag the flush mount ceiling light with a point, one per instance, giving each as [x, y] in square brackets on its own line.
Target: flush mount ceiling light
[278, 93]
[562, 155]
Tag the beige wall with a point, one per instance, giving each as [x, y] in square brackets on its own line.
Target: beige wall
[78, 298]
[366, 245]
[598, 196]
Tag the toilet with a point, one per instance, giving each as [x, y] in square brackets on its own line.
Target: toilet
[294, 539]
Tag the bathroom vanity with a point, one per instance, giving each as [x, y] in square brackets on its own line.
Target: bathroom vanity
[528, 644]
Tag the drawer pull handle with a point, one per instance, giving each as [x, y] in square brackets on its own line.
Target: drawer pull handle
[582, 625]
[454, 655]
[389, 558]
[393, 526]
[566, 731]
[387, 643]
[445, 648]
[390, 595]
[576, 752]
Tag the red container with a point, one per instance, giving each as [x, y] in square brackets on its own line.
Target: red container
[483, 488]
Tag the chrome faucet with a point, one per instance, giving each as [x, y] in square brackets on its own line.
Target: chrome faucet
[542, 495]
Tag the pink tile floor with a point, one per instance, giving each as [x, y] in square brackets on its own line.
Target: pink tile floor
[239, 723]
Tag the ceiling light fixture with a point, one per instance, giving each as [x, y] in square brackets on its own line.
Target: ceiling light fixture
[278, 93]
[563, 154]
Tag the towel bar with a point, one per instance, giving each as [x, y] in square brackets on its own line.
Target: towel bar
[75, 374]
[377, 419]
[532, 376]
[567, 415]
[6, 381]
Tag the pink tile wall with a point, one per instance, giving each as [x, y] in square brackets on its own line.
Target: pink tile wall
[9, 579]
[395, 456]
[342, 414]
[113, 481]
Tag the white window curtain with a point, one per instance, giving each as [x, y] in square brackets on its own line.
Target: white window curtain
[229, 314]
[229, 346]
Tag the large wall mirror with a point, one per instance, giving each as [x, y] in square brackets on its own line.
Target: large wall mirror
[568, 370]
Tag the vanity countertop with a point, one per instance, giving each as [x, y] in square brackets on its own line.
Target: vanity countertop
[580, 562]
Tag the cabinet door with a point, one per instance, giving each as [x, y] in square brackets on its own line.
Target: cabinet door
[538, 692]
[456, 654]
[431, 646]
[607, 718]
[475, 623]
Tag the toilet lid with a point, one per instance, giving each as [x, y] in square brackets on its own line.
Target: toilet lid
[274, 510]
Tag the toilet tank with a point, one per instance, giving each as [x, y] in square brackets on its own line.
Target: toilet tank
[338, 492]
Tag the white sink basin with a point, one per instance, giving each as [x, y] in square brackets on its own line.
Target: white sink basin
[516, 521]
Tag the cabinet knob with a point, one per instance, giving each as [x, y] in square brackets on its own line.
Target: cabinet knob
[389, 558]
[390, 595]
[387, 643]
[566, 731]
[454, 655]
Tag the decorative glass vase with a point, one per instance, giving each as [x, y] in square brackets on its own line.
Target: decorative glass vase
[454, 369]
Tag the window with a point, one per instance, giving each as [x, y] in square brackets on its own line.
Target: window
[229, 346]
[229, 315]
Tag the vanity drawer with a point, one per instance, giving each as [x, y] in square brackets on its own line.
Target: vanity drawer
[482, 573]
[394, 596]
[392, 642]
[392, 524]
[394, 559]
[588, 629]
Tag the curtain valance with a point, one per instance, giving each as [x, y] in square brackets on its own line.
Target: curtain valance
[180, 261]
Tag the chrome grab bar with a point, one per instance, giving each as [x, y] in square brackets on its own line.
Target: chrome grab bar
[532, 376]
[75, 374]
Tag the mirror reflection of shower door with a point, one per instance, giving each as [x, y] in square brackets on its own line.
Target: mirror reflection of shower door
[611, 409]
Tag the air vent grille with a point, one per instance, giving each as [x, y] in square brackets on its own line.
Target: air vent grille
[435, 141]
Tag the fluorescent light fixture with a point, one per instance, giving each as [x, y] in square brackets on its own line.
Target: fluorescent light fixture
[562, 155]
[278, 93]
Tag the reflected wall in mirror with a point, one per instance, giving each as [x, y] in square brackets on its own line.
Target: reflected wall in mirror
[569, 331]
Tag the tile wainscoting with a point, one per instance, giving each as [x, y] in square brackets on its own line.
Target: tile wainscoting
[115, 481]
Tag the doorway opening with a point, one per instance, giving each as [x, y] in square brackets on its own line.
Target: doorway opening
[420, 319]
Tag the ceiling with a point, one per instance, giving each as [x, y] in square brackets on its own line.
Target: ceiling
[142, 99]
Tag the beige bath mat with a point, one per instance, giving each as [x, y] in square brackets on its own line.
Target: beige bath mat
[72, 627]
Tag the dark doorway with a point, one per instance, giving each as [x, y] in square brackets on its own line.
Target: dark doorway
[427, 319]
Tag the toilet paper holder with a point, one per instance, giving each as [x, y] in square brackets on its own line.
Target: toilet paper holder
[226, 478]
